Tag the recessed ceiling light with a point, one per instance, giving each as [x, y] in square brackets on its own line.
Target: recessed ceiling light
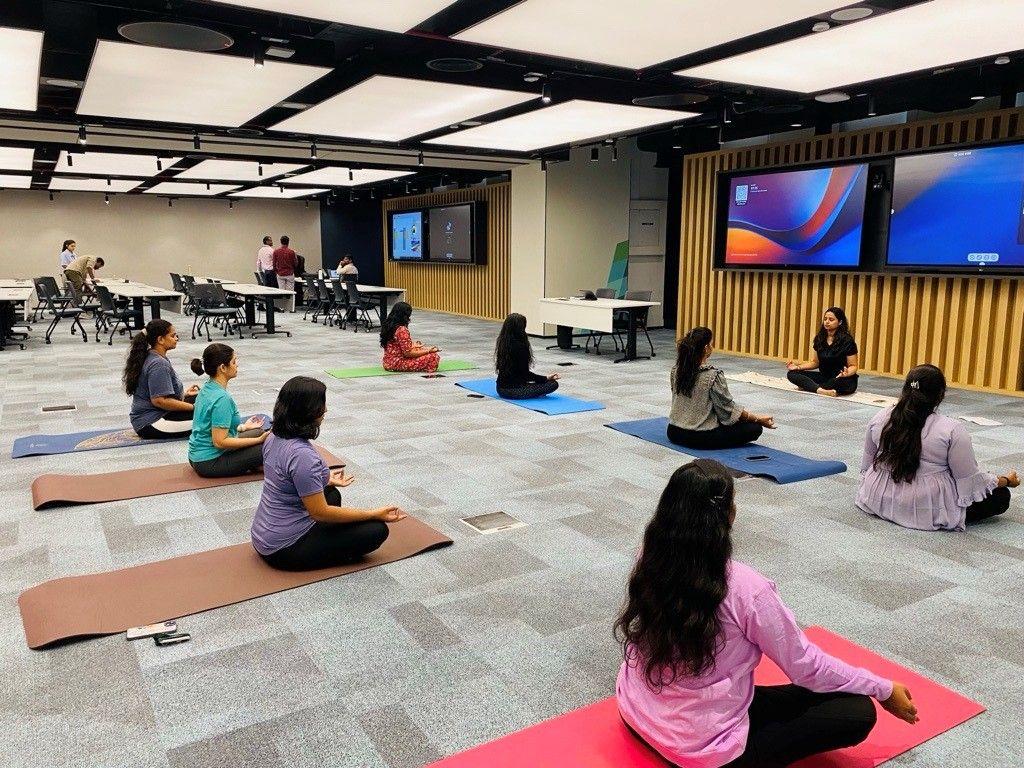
[851, 14]
[185, 188]
[9, 181]
[66, 184]
[1002, 60]
[20, 53]
[919, 37]
[236, 170]
[293, 105]
[346, 177]
[16, 158]
[57, 82]
[140, 82]
[796, 125]
[112, 163]
[277, 192]
[832, 97]
[393, 15]
[633, 34]
[977, 98]
[565, 123]
[821, 26]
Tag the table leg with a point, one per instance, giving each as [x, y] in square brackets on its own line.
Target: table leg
[250, 311]
[270, 314]
[630, 352]
[564, 335]
[154, 308]
[140, 315]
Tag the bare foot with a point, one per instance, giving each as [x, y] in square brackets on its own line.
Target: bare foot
[827, 392]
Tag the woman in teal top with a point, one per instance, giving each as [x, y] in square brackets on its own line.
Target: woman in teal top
[221, 445]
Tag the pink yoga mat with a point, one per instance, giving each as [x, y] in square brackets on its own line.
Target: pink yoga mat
[595, 737]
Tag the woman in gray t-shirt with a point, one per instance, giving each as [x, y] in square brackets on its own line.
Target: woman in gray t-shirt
[704, 415]
[161, 407]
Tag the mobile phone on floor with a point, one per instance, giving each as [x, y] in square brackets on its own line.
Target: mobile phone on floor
[161, 628]
[172, 638]
[434, 376]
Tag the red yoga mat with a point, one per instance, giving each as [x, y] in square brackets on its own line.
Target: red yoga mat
[595, 737]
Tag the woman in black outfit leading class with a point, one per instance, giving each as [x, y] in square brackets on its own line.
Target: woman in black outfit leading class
[512, 360]
[835, 357]
[704, 415]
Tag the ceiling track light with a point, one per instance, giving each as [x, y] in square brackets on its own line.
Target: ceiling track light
[307, 204]
[312, 150]
[373, 194]
[725, 115]
[419, 160]
[106, 198]
[159, 165]
[231, 204]
[351, 175]
[351, 195]
[207, 186]
[545, 93]
[196, 143]
[259, 168]
[82, 137]
[595, 154]
[71, 161]
[257, 51]
[170, 203]
[280, 188]
[871, 106]
[51, 197]
[615, 151]
[407, 187]
[544, 164]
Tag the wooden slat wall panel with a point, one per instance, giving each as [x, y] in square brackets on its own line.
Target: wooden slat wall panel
[471, 290]
[972, 327]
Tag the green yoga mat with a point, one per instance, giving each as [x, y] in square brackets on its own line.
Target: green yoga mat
[376, 370]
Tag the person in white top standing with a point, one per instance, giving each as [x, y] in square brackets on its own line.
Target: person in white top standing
[265, 261]
[67, 254]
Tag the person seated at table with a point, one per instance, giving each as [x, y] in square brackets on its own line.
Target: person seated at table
[513, 357]
[347, 270]
[704, 415]
[220, 444]
[300, 522]
[695, 626]
[919, 469]
[161, 407]
[80, 269]
[835, 357]
[401, 353]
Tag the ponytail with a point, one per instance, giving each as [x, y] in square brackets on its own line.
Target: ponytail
[214, 356]
[138, 352]
[899, 445]
[689, 356]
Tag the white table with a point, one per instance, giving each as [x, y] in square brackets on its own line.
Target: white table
[272, 299]
[594, 315]
[140, 293]
[18, 285]
[13, 295]
[221, 280]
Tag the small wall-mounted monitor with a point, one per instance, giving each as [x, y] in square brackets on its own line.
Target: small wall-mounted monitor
[960, 211]
[406, 241]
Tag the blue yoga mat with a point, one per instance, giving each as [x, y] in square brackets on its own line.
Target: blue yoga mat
[753, 459]
[552, 405]
[96, 440]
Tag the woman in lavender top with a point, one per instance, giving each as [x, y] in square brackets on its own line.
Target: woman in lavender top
[300, 523]
[919, 469]
[695, 625]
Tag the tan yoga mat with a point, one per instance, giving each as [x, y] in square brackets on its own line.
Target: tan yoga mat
[66, 490]
[108, 603]
[775, 382]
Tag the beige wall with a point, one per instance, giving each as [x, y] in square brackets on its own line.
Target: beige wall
[529, 204]
[142, 239]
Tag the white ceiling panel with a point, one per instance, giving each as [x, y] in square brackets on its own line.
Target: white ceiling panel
[185, 188]
[392, 15]
[277, 192]
[920, 37]
[8, 181]
[16, 158]
[565, 123]
[140, 82]
[112, 164]
[395, 108]
[20, 53]
[634, 33]
[339, 177]
[237, 170]
[91, 185]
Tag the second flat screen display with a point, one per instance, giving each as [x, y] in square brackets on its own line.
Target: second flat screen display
[807, 218]
[451, 234]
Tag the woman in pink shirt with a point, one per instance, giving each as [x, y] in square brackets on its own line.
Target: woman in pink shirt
[694, 627]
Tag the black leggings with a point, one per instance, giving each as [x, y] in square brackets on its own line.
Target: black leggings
[528, 391]
[810, 381]
[154, 432]
[240, 461]
[994, 504]
[722, 436]
[326, 545]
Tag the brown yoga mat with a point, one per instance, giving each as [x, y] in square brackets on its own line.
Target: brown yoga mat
[65, 490]
[108, 603]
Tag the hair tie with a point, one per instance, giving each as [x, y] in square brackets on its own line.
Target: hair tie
[915, 385]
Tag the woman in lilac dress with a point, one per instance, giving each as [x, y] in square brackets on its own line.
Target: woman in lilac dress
[919, 469]
[694, 628]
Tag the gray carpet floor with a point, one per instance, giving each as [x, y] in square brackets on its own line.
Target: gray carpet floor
[397, 666]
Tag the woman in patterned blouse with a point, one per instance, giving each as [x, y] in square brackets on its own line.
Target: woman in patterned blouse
[401, 353]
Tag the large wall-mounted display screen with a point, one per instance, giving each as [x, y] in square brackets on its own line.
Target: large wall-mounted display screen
[961, 210]
[406, 236]
[451, 234]
[807, 218]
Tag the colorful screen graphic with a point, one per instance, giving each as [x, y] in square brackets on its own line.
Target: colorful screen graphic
[811, 218]
[407, 235]
[959, 209]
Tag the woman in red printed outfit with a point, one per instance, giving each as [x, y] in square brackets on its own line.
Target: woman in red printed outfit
[401, 353]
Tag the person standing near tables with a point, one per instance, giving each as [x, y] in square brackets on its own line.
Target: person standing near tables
[80, 269]
[284, 265]
[67, 254]
[265, 261]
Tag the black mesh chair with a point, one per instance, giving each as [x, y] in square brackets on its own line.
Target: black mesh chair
[59, 310]
[116, 319]
[58, 298]
[88, 304]
[188, 284]
[311, 297]
[210, 307]
[260, 280]
[596, 336]
[341, 305]
[620, 323]
[360, 306]
[326, 308]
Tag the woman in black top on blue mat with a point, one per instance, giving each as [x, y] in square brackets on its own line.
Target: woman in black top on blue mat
[512, 360]
[835, 357]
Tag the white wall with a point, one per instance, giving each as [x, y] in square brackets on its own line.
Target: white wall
[529, 214]
[140, 238]
[647, 272]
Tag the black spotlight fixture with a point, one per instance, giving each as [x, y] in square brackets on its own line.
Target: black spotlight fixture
[307, 204]
[545, 93]
[871, 107]
[351, 195]
[312, 150]
[419, 160]
[544, 164]
[51, 197]
[109, 183]
[595, 154]
[82, 137]
[373, 194]
[106, 198]
[615, 151]
[407, 187]
[351, 175]
[207, 186]
[159, 165]
[196, 143]
[170, 203]
[231, 205]
[71, 161]
[259, 169]
[257, 52]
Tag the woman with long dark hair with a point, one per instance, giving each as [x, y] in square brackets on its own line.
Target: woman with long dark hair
[221, 445]
[300, 523]
[704, 415]
[401, 353]
[835, 358]
[694, 627]
[919, 469]
[161, 408]
[67, 253]
[513, 357]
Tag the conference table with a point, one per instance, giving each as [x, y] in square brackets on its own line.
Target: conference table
[382, 293]
[221, 280]
[13, 295]
[272, 299]
[18, 284]
[594, 315]
[140, 293]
